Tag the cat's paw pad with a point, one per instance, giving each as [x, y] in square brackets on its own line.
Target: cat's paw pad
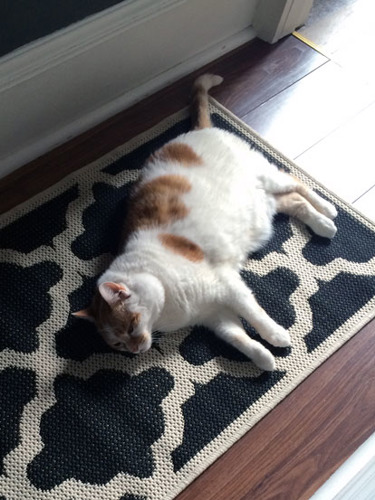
[279, 337]
[263, 359]
[324, 227]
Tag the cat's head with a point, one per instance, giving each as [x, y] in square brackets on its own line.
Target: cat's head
[120, 318]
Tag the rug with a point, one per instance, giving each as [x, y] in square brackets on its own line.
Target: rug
[79, 421]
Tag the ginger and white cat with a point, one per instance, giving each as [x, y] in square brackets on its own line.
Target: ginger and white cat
[203, 203]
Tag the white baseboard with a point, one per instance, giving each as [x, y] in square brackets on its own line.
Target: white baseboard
[355, 479]
[63, 85]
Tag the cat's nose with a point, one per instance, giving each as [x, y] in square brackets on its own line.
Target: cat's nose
[140, 344]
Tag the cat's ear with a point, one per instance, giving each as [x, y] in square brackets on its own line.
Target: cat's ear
[113, 293]
[84, 314]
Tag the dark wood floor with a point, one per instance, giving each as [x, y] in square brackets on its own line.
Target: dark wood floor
[316, 106]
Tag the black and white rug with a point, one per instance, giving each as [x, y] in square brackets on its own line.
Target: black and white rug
[79, 421]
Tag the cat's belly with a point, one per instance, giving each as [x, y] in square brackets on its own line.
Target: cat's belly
[228, 224]
[226, 210]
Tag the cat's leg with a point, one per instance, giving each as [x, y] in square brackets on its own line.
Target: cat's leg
[278, 182]
[239, 298]
[228, 327]
[298, 206]
[320, 204]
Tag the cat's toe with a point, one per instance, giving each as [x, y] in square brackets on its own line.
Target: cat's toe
[330, 211]
[279, 338]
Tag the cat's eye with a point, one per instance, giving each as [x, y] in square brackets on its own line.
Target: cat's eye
[117, 344]
[132, 326]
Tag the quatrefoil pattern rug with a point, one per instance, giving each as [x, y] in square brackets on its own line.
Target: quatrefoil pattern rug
[81, 422]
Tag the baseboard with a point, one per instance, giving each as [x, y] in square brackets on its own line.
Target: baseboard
[49, 141]
[354, 479]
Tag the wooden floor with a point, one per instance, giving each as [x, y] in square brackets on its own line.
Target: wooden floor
[318, 107]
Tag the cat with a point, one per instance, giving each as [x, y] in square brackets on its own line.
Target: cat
[204, 201]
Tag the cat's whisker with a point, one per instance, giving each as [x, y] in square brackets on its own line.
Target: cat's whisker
[157, 336]
[157, 347]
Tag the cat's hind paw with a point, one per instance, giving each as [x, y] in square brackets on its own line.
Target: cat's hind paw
[323, 226]
[328, 209]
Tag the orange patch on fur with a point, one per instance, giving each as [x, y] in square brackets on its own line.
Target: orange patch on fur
[178, 152]
[118, 317]
[182, 246]
[158, 202]
[291, 203]
[199, 109]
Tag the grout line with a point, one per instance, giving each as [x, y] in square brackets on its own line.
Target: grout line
[349, 118]
[311, 44]
[363, 194]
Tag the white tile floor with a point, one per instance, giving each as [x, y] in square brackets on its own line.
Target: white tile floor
[344, 161]
[366, 204]
[343, 29]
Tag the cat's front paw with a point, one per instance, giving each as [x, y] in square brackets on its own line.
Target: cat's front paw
[263, 359]
[279, 337]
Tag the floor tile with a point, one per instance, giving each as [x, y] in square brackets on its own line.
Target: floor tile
[358, 57]
[344, 30]
[343, 161]
[335, 23]
[366, 204]
[312, 108]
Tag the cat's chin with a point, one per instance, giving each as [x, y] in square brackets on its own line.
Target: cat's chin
[142, 350]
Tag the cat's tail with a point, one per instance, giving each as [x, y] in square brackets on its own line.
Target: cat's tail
[199, 104]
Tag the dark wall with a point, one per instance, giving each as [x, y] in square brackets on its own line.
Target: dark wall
[23, 21]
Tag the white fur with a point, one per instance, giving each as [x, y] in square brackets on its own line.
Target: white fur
[208, 81]
[232, 203]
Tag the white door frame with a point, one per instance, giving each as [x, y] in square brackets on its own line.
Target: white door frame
[275, 19]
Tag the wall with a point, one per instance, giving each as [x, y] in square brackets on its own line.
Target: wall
[65, 84]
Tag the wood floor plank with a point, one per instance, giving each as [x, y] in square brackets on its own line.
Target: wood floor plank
[254, 80]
